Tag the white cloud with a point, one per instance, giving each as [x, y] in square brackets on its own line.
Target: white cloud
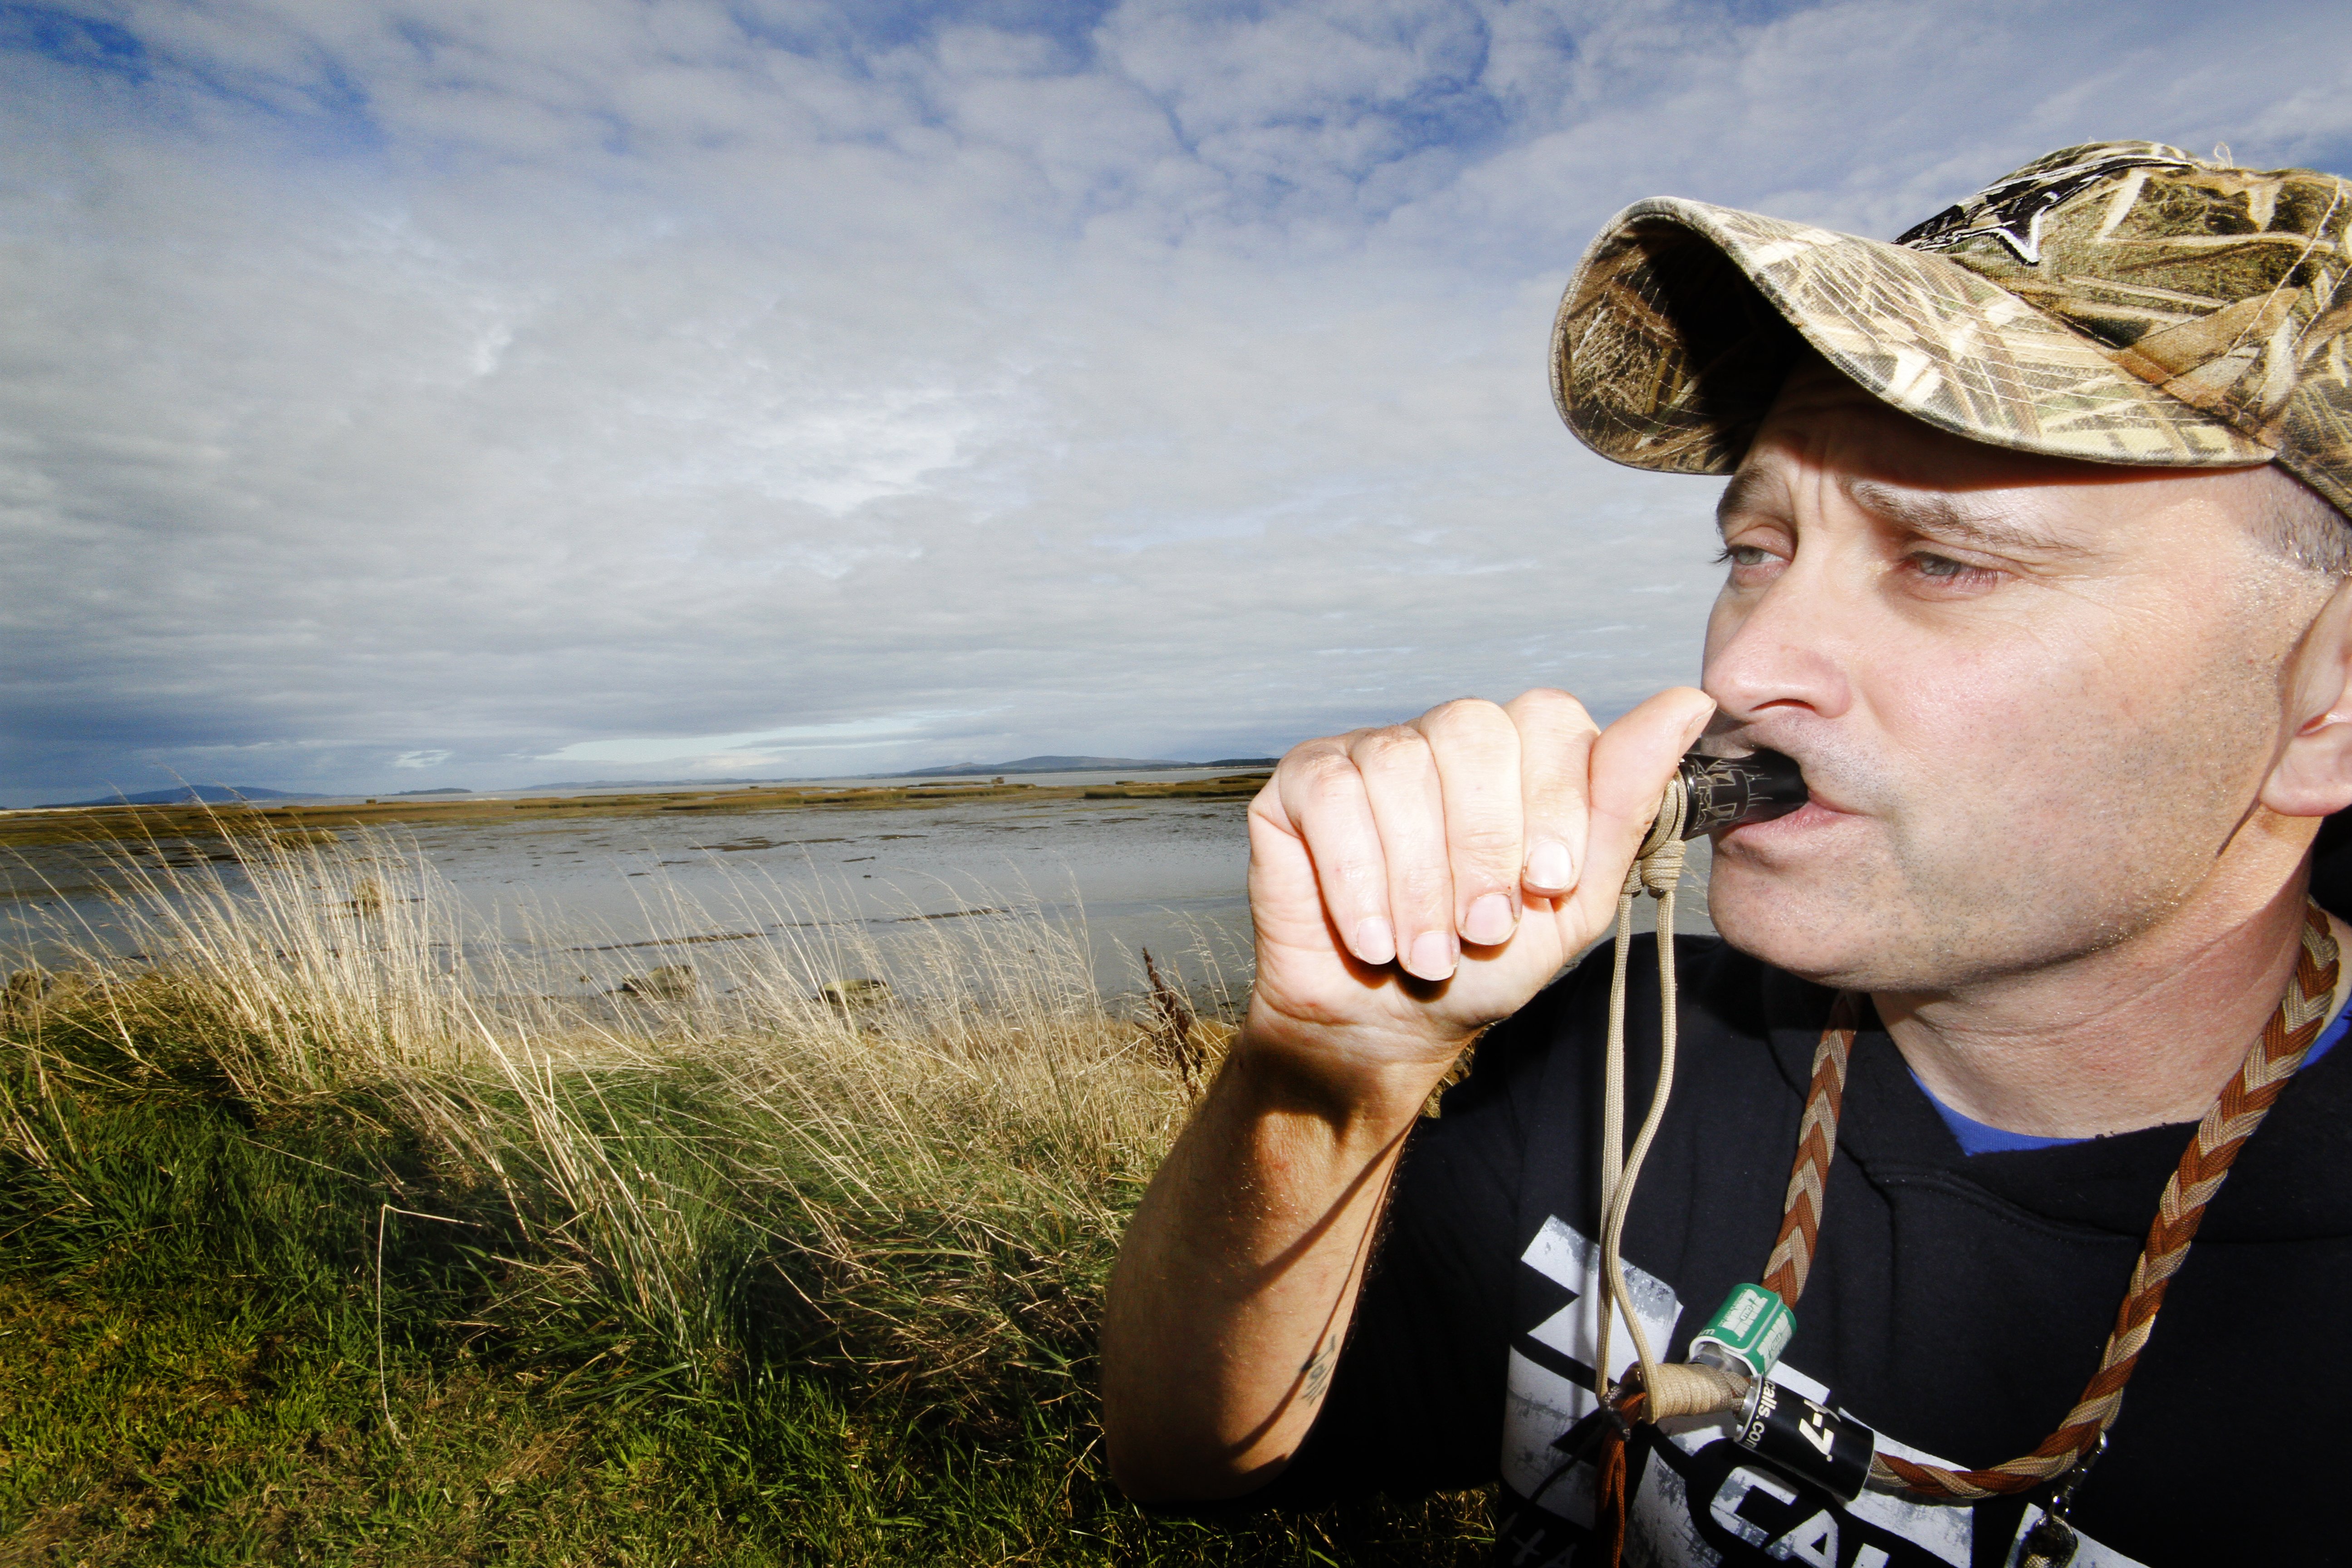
[755, 748]
[630, 383]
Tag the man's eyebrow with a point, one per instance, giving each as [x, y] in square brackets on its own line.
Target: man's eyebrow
[1944, 516]
[1745, 492]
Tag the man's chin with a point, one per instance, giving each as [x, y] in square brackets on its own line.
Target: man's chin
[1827, 938]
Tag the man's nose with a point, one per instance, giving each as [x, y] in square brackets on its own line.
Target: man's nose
[1786, 650]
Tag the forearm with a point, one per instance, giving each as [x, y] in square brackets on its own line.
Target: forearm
[1235, 1283]
[1408, 886]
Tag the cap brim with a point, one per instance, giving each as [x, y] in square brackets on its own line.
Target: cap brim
[1664, 358]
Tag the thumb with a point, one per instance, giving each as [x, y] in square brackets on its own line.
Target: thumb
[1633, 761]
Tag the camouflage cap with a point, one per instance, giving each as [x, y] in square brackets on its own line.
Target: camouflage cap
[2121, 301]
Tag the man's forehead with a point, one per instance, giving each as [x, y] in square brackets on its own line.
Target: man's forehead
[1822, 429]
[1995, 520]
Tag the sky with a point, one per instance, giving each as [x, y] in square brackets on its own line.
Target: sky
[481, 392]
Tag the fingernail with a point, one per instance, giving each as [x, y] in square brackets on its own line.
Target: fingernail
[1375, 939]
[1548, 866]
[1489, 922]
[1433, 955]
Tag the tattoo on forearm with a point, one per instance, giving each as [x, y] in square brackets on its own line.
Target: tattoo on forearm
[1316, 1370]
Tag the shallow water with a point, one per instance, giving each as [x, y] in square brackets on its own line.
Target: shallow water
[616, 896]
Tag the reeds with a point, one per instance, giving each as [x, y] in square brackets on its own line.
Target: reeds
[908, 1153]
[816, 1228]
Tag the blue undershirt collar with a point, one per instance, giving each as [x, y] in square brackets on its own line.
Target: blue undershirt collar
[1982, 1138]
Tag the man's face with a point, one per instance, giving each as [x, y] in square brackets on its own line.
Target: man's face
[2033, 697]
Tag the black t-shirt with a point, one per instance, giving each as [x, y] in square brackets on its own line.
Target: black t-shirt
[1957, 1304]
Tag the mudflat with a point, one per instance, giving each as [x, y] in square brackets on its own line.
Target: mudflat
[293, 824]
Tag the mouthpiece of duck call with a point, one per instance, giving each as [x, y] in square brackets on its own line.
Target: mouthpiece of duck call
[1726, 792]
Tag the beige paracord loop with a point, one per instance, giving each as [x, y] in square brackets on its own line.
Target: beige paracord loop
[1691, 1388]
[1657, 869]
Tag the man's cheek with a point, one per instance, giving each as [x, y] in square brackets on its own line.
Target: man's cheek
[1949, 708]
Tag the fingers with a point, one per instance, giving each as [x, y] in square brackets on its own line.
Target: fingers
[1556, 737]
[1476, 751]
[1323, 796]
[1379, 821]
[1407, 797]
[1422, 836]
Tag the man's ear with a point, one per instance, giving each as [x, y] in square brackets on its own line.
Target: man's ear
[2313, 775]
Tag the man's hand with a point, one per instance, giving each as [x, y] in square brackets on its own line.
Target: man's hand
[1486, 843]
[1412, 884]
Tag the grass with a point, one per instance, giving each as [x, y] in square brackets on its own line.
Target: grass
[327, 1234]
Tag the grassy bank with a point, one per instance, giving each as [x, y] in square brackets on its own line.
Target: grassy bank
[320, 1242]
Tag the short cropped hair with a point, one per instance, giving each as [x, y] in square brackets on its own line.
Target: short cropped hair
[2300, 528]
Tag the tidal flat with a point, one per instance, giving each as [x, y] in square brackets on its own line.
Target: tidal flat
[606, 886]
[300, 821]
[590, 891]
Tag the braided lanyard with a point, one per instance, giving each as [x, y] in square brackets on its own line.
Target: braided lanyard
[2244, 1100]
[1661, 1390]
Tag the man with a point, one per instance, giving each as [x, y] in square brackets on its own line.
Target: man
[2035, 563]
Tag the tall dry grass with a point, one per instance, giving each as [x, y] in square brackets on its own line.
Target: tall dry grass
[907, 1157]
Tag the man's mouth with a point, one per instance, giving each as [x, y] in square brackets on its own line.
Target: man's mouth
[1813, 817]
[1824, 809]
[1826, 802]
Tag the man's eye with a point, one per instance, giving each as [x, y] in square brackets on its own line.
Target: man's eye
[1745, 555]
[1946, 571]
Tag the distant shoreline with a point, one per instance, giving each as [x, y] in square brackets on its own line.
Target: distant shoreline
[218, 795]
[293, 824]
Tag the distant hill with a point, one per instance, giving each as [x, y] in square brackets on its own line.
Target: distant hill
[188, 795]
[955, 771]
[444, 789]
[1037, 765]
[562, 784]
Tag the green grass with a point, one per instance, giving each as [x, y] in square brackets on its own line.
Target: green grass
[305, 1257]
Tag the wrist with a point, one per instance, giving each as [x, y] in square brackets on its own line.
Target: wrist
[1365, 1082]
